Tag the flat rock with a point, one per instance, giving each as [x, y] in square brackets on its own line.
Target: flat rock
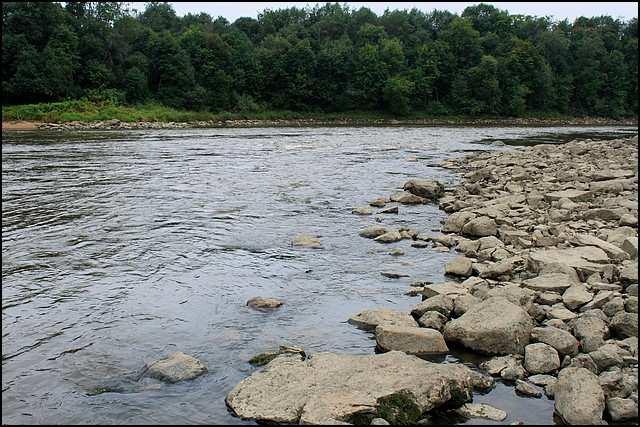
[576, 295]
[369, 319]
[393, 274]
[447, 288]
[410, 340]
[571, 194]
[389, 237]
[362, 210]
[481, 410]
[630, 246]
[579, 399]
[612, 250]
[496, 326]
[340, 386]
[372, 231]
[407, 198]
[527, 389]
[176, 367]
[549, 282]
[443, 304]
[582, 258]
[306, 241]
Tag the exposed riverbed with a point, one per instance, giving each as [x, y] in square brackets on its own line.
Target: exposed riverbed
[120, 247]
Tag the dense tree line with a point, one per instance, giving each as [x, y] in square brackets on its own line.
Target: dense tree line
[325, 58]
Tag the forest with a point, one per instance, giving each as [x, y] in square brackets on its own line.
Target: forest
[326, 58]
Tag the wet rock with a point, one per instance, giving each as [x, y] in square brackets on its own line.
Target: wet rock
[410, 340]
[372, 232]
[306, 241]
[625, 325]
[392, 210]
[540, 358]
[389, 237]
[175, 368]
[378, 203]
[496, 365]
[622, 409]
[396, 252]
[266, 357]
[260, 303]
[480, 227]
[369, 319]
[394, 386]
[429, 189]
[481, 381]
[497, 326]
[578, 397]
[481, 410]
[393, 274]
[407, 198]
[379, 422]
[561, 340]
[460, 266]
[362, 210]
[542, 380]
[527, 389]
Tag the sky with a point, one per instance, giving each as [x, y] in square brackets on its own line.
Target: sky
[558, 10]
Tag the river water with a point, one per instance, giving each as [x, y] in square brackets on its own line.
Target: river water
[121, 247]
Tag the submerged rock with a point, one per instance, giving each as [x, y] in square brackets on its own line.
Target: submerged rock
[481, 410]
[176, 367]
[394, 386]
[306, 241]
[260, 303]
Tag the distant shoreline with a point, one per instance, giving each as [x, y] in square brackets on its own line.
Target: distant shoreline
[114, 124]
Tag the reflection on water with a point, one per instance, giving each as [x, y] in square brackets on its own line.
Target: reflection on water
[120, 247]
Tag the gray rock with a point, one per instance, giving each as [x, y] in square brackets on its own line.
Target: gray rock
[410, 340]
[393, 274]
[455, 221]
[578, 397]
[527, 389]
[497, 326]
[549, 282]
[630, 246]
[480, 227]
[622, 409]
[443, 304]
[576, 295]
[629, 274]
[407, 198]
[612, 250]
[463, 303]
[427, 188]
[631, 305]
[571, 194]
[389, 237]
[481, 410]
[460, 266]
[433, 320]
[607, 356]
[561, 340]
[584, 361]
[613, 306]
[540, 358]
[369, 319]
[372, 231]
[176, 367]
[339, 386]
[625, 324]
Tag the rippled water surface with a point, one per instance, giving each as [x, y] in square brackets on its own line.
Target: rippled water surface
[121, 247]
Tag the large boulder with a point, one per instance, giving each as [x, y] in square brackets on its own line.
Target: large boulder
[369, 319]
[496, 326]
[624, 325]
[427, 188]
[579, 399]
[410, 340]
[562, 341]
[612, 250]
[394, 386]
[584, 259]
[459, 266]
[540, 358]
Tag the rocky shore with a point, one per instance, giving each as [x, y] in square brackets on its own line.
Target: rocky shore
[545, 287]
[116, 124]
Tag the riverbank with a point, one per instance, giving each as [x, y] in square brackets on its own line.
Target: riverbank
[86, 115]
[546, 282]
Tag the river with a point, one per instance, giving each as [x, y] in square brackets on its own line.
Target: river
[121, 247]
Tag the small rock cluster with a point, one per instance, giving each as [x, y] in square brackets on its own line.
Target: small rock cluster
[546, 284]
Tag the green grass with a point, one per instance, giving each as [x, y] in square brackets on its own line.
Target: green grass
[88, 111]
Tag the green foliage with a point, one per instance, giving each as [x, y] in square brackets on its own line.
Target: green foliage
[326, 58]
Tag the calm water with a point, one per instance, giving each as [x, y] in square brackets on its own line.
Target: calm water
[119, 248]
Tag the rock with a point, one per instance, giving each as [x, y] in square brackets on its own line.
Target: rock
[561, 312]
[455, 221]
[176, 367]
[550, 282]
[628, 220]
[410, 340]
[613, 251]
[601, 213]
[549, 298]
[372, 231]
[481, 410]
[599, 300]
[392, 210]
[396, 252]
[260, 303]
[369, 319]
[433, 320]
[389, 237]
[407, 198]
[584, 361]
[540, 358]
[629, 274]
[497, 326]
[606, 356]
[591, 331]
[624, 324]
[378, 203]
[429, 189]
[480, 227]
[542, 379]
[393, 274]
[576, 295]
[613, 306]
[584, 259]
[527, 389]
[306, 241]
[460, 266]
[514, 293]
[447, 288]
[463, 303]
[631, 305]
[379, 422]
[622, 409]
[496, 365]
[394, 386]
[578, 397]
[481, 381]
[443, 304]
[362, 210]
[630, 246]
[571, 194]
[561, 340]
[632, 290]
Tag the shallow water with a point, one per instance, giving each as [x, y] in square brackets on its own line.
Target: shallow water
[120, 247]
